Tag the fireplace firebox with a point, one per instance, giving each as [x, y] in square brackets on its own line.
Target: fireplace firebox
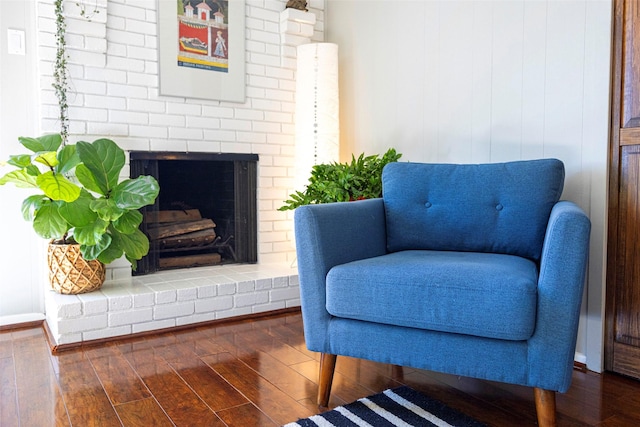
[205, 213]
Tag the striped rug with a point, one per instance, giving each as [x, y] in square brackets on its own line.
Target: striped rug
[401, 406]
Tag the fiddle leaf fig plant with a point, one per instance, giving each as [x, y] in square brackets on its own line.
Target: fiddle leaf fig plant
[81, 198]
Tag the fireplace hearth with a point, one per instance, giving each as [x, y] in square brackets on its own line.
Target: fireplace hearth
[205, 213]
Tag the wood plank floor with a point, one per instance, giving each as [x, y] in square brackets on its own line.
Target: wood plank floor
[251, 373]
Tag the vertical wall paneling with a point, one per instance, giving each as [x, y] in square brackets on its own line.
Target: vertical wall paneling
[347, 77]
[410, 62]
[533, 78]
[482, 80]
[383, 68]
[431, 90]
[597, 47]
[507, 80]
[564, 91]
[455, 53]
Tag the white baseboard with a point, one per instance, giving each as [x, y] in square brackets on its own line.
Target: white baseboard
[580, 358]
[17, 319]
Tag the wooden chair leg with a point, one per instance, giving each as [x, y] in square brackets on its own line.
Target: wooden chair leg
[545, 407]
[327, 367]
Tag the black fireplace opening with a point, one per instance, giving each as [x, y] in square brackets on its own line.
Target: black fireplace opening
[205, 213]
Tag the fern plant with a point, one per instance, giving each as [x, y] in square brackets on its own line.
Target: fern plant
[343, 182]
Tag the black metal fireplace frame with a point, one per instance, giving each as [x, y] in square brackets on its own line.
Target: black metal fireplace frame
[245, 182]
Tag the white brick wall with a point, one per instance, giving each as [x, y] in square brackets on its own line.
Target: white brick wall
[169, 299]
[113, 61]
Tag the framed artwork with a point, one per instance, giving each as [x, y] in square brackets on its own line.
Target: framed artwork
[201, 49]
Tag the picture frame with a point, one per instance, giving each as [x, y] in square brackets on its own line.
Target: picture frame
[201, 49]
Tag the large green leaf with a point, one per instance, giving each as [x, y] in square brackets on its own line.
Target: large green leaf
[48, 222]
[134, 245]
[57, 187]
[43, 143]
[106, 209]
[47, 158]
[32, 170]
[68, 159]
[90, 252]
[128, 222]
[86, 178]
[104, 159]
[79, 213]
[31, 204]
[132, 261]
[136, 193]
[111, 253]
[91, 234]
[20, 161]
[20, 178]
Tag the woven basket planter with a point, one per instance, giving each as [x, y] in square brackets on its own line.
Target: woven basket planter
[71, 274]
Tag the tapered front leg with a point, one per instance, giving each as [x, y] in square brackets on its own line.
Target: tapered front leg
[327, 368]
[545, 407]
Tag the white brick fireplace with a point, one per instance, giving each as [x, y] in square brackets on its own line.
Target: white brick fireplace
[113, 62]
[170, 299]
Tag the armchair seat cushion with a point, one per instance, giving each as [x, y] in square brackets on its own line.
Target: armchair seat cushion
[473, 293]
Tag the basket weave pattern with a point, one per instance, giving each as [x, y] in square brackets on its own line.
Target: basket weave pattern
[71, 274]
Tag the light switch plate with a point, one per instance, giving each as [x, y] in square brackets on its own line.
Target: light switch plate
[15, 42]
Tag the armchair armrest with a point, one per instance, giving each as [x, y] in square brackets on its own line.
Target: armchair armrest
[560, 288]
[327, 235]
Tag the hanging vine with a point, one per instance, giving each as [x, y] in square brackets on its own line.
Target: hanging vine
[60, 72]
[86, 13]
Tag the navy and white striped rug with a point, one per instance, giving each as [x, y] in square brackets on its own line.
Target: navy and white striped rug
[401, 406]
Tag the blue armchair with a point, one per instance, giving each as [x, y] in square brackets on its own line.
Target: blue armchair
[473, 270]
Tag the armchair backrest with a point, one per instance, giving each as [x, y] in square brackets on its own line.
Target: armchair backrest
[493, 207]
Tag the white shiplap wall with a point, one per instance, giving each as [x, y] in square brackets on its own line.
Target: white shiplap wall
[485, 81]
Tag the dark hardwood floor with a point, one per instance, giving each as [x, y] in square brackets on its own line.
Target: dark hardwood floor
[251, 373]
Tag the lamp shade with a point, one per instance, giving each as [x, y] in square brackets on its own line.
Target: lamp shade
[317, 108]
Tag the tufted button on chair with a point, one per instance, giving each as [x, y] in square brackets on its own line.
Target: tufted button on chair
[473, 270]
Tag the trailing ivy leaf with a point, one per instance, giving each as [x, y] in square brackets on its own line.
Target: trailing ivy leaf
[57, 187]
[47, 158]
[87, 179]
[42, 143]
[91, 252]
[128, 222]
[91, 234]
[136, 193]
[48, 222]
[79, 213]
[20, 178]
[31, 204]
[104, 159]
[68, 159]
[106, 209]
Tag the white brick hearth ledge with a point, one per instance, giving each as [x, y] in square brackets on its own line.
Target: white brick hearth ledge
[169, 299]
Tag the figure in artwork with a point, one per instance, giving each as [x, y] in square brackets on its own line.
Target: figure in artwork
[221, 47]
[203, 34]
